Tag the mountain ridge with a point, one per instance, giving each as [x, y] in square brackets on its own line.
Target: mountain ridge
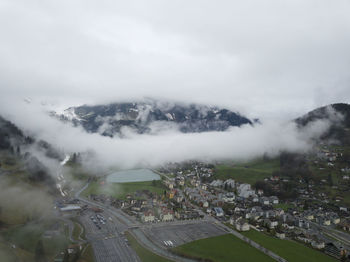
[339, 116]
[146, 116]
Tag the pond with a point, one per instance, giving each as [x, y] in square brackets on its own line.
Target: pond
[134, 175]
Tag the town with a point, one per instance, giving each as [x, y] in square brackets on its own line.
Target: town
[192, 204]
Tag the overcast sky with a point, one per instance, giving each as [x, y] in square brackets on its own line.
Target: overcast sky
[264, 58]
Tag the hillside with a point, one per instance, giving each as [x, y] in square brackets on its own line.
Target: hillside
[339, 117]
[151, 117]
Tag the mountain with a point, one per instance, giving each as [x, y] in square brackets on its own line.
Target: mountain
[151, 116]
[339, 117]
[16, 147]
[10, 135]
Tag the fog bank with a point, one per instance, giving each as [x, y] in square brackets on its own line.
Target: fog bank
[239, 143]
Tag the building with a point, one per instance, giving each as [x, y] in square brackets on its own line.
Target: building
[335, 250]
[203, 186]
[317, 244]
[229, 198]
[203, 203]
[229, 183]
[70, 208]
[302, 223]
[179, 198]
[216, 183]
[345, 225]
[148, 216]
[169, 184]
[218, 212]
[265, 201]
[171, 193]
[309, 215]
[180, 180]
[274, 200]
[245, 191]
[242, 225]
[280, 235]
[270, 223]
[166, 215]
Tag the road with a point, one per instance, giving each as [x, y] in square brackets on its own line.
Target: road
[340, 236]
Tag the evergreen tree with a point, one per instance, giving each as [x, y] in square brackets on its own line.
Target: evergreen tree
[330, 180]
[74, 158]
[39, 252]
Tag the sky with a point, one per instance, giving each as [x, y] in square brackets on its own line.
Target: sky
[273, 60]
[266, 59]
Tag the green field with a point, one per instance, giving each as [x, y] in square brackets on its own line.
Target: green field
[77, 231]
[120, 190]
[290, 250]
[25, 238]
[225, 248]
[7, 253]
[144, 254]
[284, 206]
[247, 172]
[87, 255]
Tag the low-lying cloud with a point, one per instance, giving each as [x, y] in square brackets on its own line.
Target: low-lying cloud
[239, 143]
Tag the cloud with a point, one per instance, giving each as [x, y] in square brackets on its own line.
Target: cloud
[272, 60]
[239, 143]
[23, 200]
[265, 59]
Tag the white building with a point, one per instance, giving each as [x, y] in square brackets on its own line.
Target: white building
[216, 183]
[242, 225]
[70, 208]
[245, 191]
[166, 215]
[148, 216]
[229, 197]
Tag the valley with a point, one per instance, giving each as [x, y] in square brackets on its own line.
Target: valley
[175, 211]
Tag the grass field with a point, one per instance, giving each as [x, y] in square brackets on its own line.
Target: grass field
[225, 248]
[290, 250]
[120, 190]
[144, 254]
[87, 254]
[7, 253]
[25, 238]
[77, 231]
[284, 206]
[247, 172]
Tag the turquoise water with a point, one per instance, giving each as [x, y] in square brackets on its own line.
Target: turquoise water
[135, 175]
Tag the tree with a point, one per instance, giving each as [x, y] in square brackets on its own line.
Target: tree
[74, 158]
[226, 187]
[330, 180]
[40, 252]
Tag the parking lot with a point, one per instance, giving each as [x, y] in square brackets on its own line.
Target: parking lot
[175, 235]
[108, 242]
